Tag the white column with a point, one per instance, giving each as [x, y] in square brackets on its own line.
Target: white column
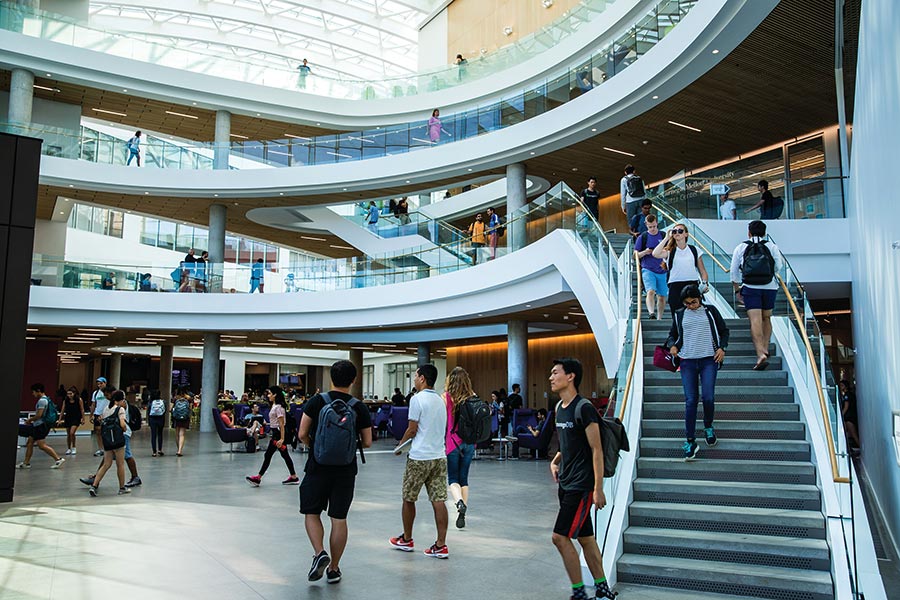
[517, 357]
[166, 357]
[235, 374]
[223, 140]
[217, 217]
[115, 370]
[21, 96]
[209, 380]
[515, 199]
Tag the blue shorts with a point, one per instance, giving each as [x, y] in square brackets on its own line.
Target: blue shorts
[127, 447]
[756, 299]
[655, 282]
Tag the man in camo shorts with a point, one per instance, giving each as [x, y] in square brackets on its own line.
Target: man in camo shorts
[427, 462]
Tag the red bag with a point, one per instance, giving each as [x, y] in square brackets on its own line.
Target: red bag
[664, 360]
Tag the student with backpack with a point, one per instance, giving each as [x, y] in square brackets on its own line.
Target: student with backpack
[38, 426]
[132, 423]
[754, 265]
[578, 468]
[653, 275]
[468, 422]
[278, 421]
[631, 192]
[113, 428]
[770, 207]
[334, 425]
[156, 419]
[494, 230]
[683, 264]
[181, 418]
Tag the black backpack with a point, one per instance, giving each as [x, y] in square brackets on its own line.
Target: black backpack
[134, 417]
[612, 437]
[773, 209]
[337, 438]
[473, 421]
[290, 429]
[758, 264]
[672, 260]
[112, 435]
[634, 186]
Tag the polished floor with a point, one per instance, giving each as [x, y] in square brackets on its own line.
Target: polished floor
[196, 530]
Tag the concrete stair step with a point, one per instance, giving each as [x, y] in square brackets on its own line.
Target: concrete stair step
[725, 393]
[763, 550]
[728, 519]
[776, 411]
[734, 349]
[748, 430]
[711, 469]
[725, 578]
[729, 493]
[732, 363]
[659, 335]
[659, 377]
[633, 591]
[729, 449]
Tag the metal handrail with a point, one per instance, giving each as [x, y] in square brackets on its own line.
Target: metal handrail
[634, 351]
[698, 242]
[832, 454]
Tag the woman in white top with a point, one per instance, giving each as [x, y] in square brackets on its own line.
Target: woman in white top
[684, 263]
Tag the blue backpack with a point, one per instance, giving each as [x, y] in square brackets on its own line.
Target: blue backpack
[336, 438]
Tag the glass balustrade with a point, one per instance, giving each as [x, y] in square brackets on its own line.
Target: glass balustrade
[606, 62]
[274, 73]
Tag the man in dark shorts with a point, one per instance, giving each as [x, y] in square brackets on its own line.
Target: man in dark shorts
[578, 467]
[330, 487]
[37, 427]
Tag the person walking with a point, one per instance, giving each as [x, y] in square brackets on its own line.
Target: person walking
[479, 237]
[457, 391]
[653, 275]
[631, 192]
[257, 276]
[426, 464]
[728, 209]
[72, 417]
[113, 443]
[134, 149]
[461, 67]
[99, 402]
[156, 419]
[201, 272]
[181, 419]
[435, 126]
[303, 71]
[769, 206]
[493, 231]
[638, 223]
[683, 263]
[590, 197]
[372, 217]
[278, 422]
[754, 266]
[38, 426]
[578, 469]
[698, 338]
[331, 486]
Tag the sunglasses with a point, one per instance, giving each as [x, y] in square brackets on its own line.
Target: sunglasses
[677, 231]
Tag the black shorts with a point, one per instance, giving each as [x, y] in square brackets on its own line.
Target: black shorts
[320, 491]
[573, 519]
[36, 431]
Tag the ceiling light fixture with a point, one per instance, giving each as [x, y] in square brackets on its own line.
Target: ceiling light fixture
[508, 30]
[342, 247]
[44, 87]
[323, 344]
[618, 151]
[178, 114]
[241, 137]
[315, 239]
[676, 124]
[715, 51]
[109, 112]
[547, 3]
[656, 97]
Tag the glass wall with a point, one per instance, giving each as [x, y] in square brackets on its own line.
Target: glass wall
[93, 219]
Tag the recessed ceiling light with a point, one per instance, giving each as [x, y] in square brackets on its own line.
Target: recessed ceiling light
[71, 185]
[216, 195]
[469, 169]
[618, 151]
[178, 114]
[532, 153]
[62, 213]
[685, 126]
[407, 181]
[345, 189]
[242, 137]
[146, 193]
[109, 112]
[281, 193]
[594, 129]
[715, 51]
[49, 75]
[656, 97]
[126, 91]
[194, 103]
[341, 247]
[44, 87]
[317, 124]
[296, 137]
[315, 239]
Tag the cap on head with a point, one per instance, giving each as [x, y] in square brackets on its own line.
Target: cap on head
[101, 379]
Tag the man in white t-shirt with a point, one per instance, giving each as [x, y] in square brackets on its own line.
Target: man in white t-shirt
[427, 462]
[99, 403]
[728, 209]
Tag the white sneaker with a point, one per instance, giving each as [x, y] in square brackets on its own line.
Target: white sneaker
[98, 453]
[69, 451]
[74, 451]
[58, 463]
[23, 465]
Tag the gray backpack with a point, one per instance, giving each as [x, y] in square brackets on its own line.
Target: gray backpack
[336, 438]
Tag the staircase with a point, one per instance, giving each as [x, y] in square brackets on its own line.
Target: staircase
[745, 517]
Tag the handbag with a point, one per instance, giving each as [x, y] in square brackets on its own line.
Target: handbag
[663, 359]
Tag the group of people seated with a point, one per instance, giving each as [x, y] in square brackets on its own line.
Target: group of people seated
[253, 422]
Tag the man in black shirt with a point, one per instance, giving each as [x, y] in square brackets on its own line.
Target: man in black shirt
[330, 487]
[590, 196]
[515, 399]
[578, 467]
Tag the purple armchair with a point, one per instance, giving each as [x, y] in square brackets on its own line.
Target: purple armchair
[538, 445]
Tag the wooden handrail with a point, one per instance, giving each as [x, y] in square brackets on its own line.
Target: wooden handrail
[634, 351]
[698, 242]
[832, 453]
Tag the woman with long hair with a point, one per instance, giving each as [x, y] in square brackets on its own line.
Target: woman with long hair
[434, 126]
[118, 410]
[457, 391]
[683, 263]
[277, 420]
[72, 416]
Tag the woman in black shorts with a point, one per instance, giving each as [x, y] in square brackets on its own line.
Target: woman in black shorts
[72, 417]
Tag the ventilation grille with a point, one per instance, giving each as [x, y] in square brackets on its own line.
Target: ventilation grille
[765, 477]
[721, 453]
[729, 527]
[718, 587]
[761, 434]
[745, 501]
[722, 411]
[747, 558]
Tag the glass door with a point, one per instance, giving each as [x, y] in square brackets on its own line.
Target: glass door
[806, 177]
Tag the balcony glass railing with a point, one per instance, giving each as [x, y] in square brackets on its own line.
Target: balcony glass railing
[274, 73]
[609, 60]
[559, 208]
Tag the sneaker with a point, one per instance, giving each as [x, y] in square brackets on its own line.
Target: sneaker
[135, 481]
[292, 480]
[711, 439]
[333, 576]
[438, 551]
[92, 491]
[690, 450]
[74, 451]
[604, 593]
[68, 451]
[154, 455]
[402, 544]
[254, 480]
[161, 453]
[461, 514]
[23, 465]
[319, 563]
[89, 480]
[58, 463]
[98, 453]
[123, 491]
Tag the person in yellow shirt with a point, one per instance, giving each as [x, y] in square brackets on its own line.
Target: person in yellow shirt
[479, 238]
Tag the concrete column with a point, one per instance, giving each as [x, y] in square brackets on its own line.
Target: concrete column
[517, 356]
[223, 140]
[515, 199]
[21, 96]
[166, 357]
[424, 200]
[273, 374]
[423, 356]
[356, 357]
[217, 215]
[115, 370]
[235, 374]
[209, 381]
